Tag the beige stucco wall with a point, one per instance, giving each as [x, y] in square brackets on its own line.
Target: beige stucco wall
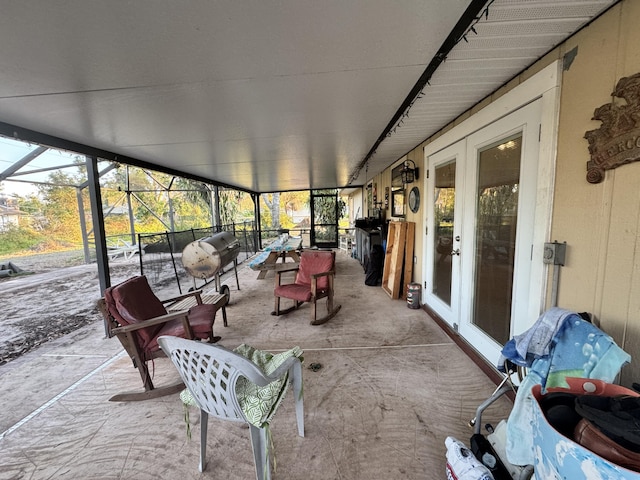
[383, 181]
[601, 222]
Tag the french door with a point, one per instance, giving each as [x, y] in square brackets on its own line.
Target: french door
[481, 203]
[324, 218]
[444, 204]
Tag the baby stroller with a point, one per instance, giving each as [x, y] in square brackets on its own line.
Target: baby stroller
[491, 449]
[545, 355]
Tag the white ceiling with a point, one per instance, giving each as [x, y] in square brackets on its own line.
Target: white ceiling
[264, 95]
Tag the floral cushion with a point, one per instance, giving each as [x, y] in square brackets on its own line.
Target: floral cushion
[258, 404]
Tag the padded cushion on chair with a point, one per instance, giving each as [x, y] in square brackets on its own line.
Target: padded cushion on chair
[294, 291]
[259, 404]
[201, 318]
[173, 328]
[134, 302]
[313, 262]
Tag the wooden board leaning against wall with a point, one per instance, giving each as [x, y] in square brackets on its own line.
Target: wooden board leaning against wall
[398, 261]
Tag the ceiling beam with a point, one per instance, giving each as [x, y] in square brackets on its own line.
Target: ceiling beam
[31, 136]
[22, 162]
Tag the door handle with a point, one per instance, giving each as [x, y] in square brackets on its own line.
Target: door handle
[455, 252]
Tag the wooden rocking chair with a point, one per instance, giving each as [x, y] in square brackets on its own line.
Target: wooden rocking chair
[314, 281]
[134, 315]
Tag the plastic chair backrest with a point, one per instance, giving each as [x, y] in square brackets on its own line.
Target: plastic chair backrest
[211, 372]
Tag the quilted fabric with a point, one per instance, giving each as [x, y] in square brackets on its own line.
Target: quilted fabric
[313, 262]
[301, 293]
[201, 318]
[259, 404]
[134, 301]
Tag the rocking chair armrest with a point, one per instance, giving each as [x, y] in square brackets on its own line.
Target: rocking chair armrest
[284, 268]
[150, 322]
[195, 293]
[316, 276]
[323, 274]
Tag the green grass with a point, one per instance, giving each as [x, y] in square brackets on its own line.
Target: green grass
[16, 239]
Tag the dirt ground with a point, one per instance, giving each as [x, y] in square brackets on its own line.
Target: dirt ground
[57, 293]
[56, 297]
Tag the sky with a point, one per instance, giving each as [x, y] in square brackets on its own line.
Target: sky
[12, 151]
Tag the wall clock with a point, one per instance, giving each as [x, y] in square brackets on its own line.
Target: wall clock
[414, 199]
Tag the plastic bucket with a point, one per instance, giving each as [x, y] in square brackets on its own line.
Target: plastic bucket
[413, 295]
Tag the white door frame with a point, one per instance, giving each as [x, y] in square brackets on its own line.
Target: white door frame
[525, 120]
[544, 85]
[449, 313]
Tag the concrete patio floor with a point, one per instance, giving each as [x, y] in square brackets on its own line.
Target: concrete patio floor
[392, 387]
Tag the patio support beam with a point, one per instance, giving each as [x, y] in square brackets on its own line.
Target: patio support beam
[83, 226]
[172, 213]
[160, 219]
[83, 222]
[217, 221]
[132, 225]
[103, 172]
[132, 221]
[97, 217]
[31, 136]
[256, 214]
[22, 162]
[40, 170]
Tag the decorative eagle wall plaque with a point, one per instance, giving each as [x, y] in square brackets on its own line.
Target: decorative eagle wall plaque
[617, 141]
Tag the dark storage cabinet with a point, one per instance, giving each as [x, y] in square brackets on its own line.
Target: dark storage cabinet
[365, 239]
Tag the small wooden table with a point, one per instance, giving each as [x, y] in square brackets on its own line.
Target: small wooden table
[266, 260]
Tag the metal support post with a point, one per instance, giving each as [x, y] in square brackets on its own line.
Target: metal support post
[93, 180]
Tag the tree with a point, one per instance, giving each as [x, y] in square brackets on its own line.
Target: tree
[230, 201]
[328, 209]
[159, 201]
[272, 201]
[60, 206]
[192, 203]
[30, 204]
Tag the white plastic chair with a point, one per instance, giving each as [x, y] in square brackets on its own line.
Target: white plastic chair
[211, 372]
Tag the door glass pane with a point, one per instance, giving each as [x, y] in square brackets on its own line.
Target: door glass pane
[497, 216]
[324, 210]
[443, 207]
[324, 219]
[325, 234]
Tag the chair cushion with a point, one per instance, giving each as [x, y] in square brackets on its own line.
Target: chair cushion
[201, 318]
[294, 291]
[258, 404]
[313, 262]
[259, 260]
[134, 301]
[173, 328]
